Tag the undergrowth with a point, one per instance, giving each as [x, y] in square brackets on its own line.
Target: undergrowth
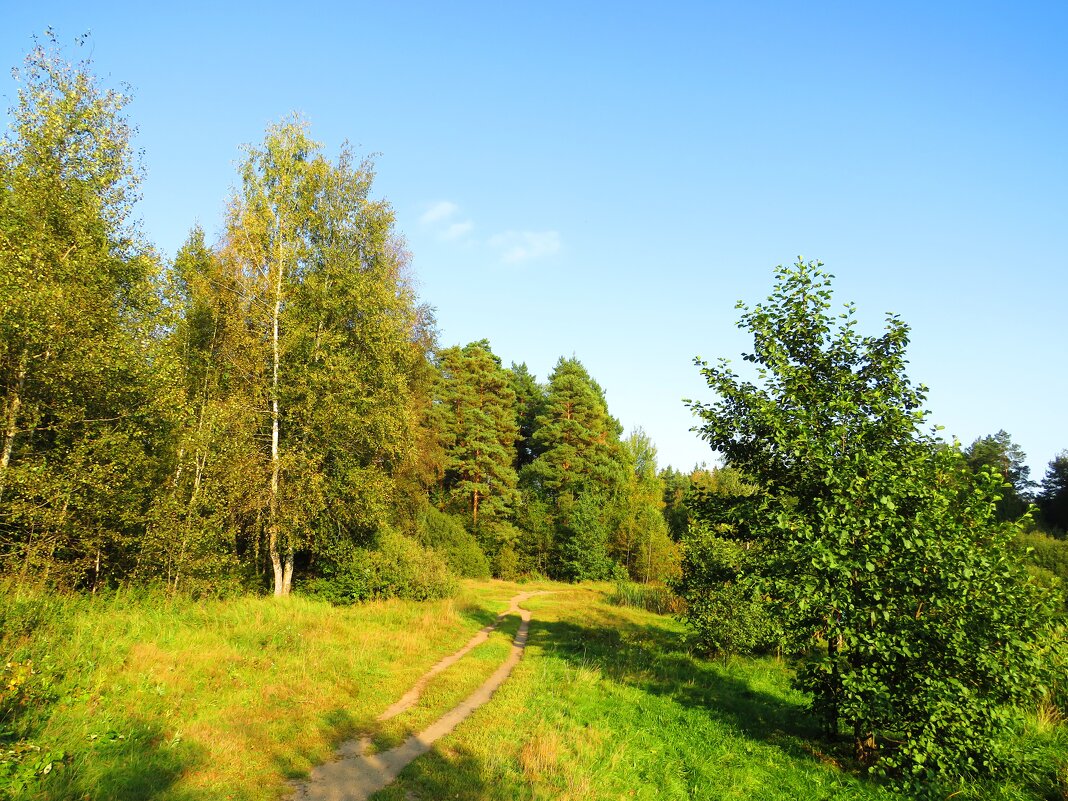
[654, 598]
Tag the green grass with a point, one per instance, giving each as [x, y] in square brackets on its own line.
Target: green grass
[607, 704]
[161, 699]
[175, 700]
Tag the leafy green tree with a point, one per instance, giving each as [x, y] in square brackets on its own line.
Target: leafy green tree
[676, 513]
[478, 430]
[876, 542]
[199, 522]
[1053, 495]
[999, 453]
[78, 315]
[335, 334]
[642, 544]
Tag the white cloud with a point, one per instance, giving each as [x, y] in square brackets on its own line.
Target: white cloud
[439, 212]
[457, 230]
[521, 246]
[442, 219]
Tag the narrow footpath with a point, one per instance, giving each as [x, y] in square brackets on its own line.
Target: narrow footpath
[357, 774]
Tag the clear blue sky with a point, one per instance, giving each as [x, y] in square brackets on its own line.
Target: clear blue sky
[607, 179]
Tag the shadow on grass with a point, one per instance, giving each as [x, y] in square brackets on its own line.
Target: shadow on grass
[476, 613]
[137, 766]
[653, 660]
[453, 773]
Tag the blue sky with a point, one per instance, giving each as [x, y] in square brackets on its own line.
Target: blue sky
[607, 179]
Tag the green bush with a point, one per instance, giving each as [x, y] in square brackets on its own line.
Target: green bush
[724, 612]
[399, 567]
[447, 536]
[1046, 560]
[584, 545]
[506, 564]
[1046, 552]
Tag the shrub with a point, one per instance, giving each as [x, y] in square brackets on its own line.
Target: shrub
[401, 568]
[446, 536]
[584, 545]
[506, 564]
[724, 612]
[398, 567]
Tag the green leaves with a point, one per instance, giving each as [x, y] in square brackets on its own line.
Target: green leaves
[876, 541]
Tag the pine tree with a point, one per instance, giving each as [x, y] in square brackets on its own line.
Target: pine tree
[529, 403]
[577, 437]
[580, 472]
[478, 429]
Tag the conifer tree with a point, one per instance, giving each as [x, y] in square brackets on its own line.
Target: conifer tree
[478, 429]
[580, 472]
[529, 403]
[577, 437]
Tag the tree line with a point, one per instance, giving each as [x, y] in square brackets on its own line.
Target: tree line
[273, 408]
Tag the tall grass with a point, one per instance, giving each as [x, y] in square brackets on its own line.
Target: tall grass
[650, 597]
[138, 695]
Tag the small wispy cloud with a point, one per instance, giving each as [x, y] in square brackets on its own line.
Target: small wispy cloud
[443, 217]
[457, 230]
[516, 247]
[439, 212]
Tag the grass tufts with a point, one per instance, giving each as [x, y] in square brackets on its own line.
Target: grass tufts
[654, 598]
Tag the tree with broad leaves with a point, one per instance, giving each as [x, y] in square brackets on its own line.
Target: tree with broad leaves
[882, 556]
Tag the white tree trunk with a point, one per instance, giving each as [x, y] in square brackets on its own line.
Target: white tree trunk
[281, 585]
[11, 419]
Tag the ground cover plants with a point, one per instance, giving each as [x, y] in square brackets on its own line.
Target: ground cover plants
[148, 697]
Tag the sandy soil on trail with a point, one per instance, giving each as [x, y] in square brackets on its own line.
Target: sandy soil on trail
[357, 774]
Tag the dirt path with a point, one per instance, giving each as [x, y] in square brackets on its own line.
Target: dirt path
[357, 774]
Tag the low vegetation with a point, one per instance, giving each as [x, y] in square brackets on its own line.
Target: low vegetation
[136, 695]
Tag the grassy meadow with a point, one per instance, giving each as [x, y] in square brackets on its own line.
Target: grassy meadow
[137, 697]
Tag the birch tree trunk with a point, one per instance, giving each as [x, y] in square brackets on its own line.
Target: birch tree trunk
[280, 584]
[11, 419]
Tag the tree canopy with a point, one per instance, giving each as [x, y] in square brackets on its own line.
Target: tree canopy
[876, 540]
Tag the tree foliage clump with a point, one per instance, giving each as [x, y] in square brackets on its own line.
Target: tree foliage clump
[78, 307]
[999, 453]
[1053, 496]
[880, 548]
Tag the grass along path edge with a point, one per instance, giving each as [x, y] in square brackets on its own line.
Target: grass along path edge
[357, 774]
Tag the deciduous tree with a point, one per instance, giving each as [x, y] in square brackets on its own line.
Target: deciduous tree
[876, 541]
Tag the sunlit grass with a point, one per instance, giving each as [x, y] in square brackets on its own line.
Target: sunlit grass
[608, 704]
[171, 699]
[182, 701]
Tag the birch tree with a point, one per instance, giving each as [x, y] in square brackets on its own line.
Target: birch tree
[338, 334]
[77, 313]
